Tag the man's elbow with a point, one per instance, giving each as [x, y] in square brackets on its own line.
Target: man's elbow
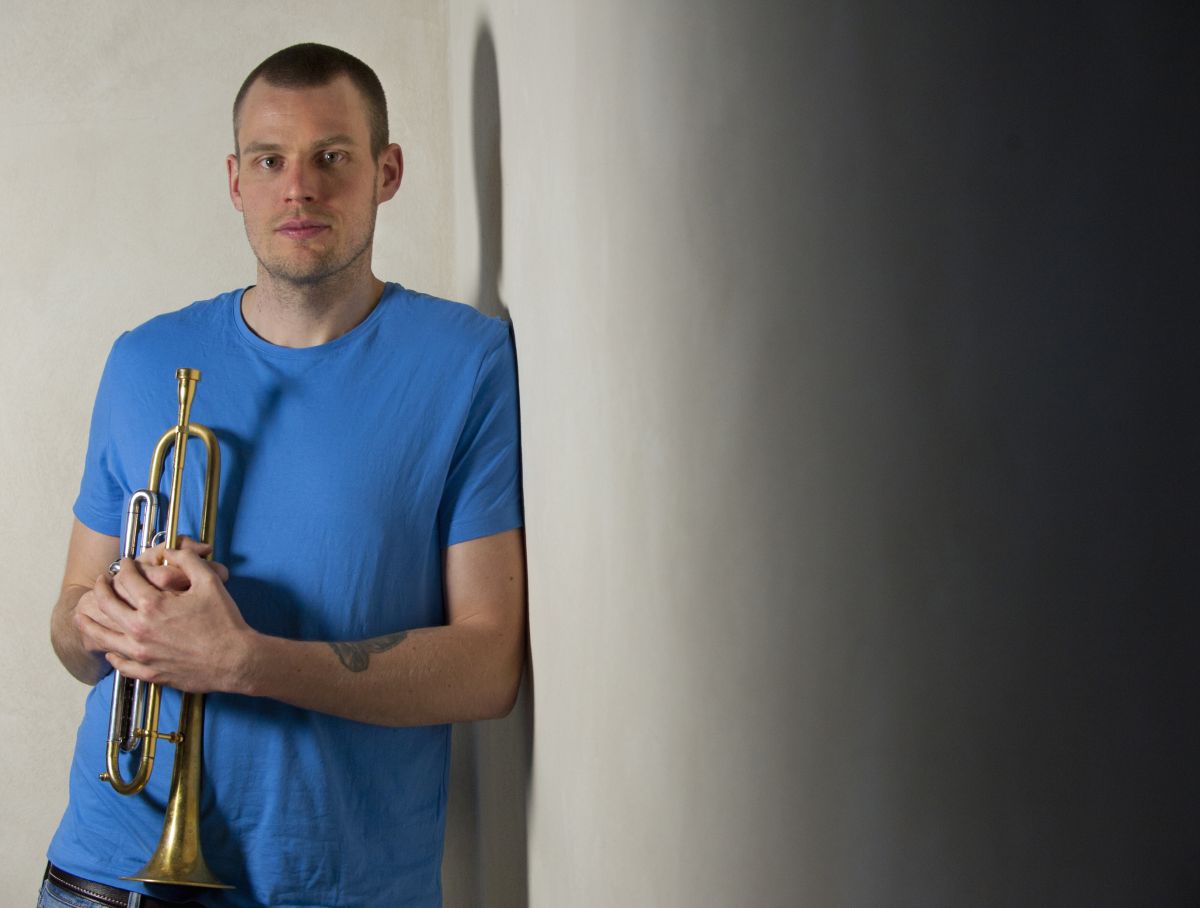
[502, 693]
[504, 704]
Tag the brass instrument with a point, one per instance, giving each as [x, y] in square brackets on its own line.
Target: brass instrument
[133, 719]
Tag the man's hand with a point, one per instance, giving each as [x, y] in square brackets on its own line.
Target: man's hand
[175, 624]
[167, 618]
[164, 576]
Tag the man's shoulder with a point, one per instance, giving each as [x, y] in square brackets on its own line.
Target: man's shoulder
[184, 333]
[443, 322]
[192, 317]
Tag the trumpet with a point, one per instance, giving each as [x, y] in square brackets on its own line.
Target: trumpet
[133, 717]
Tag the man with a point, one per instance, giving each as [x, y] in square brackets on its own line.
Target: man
[368, 585]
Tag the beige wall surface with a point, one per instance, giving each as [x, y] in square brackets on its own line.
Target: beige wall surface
[116, 125]
[663, 382]
[856, 446]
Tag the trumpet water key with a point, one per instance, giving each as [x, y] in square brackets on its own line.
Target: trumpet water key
[133, 719]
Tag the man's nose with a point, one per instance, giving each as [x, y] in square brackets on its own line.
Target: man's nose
[302, 182]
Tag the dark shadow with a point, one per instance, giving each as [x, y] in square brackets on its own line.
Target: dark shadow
[489, 188]
[487, 863]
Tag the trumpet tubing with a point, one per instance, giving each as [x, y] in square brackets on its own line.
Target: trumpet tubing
[133, 718]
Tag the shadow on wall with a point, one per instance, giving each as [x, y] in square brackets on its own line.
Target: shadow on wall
[486, 863]
[489, 189]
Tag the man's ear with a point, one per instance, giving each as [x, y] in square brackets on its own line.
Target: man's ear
[391, 171]
[231, 167]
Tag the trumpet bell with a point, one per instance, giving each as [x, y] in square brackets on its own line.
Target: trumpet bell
[178, 859]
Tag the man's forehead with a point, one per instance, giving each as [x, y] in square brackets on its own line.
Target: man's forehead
[335, 107]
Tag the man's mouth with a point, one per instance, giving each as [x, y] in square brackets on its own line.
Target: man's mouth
[300, 228]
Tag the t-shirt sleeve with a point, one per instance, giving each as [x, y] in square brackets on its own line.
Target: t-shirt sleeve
[101, 497]
[483, 487]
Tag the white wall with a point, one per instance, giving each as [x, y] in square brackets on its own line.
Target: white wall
[116, 126]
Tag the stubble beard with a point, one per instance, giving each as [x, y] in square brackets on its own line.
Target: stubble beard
[323, 269]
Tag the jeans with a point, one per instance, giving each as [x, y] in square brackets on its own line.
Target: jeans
[53, 896]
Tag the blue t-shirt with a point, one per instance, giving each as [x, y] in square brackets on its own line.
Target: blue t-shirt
[346, 469]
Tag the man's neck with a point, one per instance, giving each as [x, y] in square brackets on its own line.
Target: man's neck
[306, 315]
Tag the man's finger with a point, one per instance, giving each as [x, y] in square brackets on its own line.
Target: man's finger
[196, 567]
[127, 667]
[131, 585]
[104, 606]
[166, 576]
[98, 637]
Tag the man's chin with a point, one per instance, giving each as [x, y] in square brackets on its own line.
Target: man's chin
[308, 268]
[301, 278]
[299, 275]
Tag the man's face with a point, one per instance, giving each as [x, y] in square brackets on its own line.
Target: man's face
[305, 179]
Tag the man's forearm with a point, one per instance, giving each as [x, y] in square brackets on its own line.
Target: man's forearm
[425, 676]
[178, 626]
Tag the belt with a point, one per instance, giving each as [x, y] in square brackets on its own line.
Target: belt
[106, 895]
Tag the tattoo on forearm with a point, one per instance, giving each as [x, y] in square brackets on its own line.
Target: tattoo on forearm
[356, 656]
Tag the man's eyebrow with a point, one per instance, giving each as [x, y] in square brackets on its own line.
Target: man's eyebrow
[339, 139]
[258, 147]
[261, 147]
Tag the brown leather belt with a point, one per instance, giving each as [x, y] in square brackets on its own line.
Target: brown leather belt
[106, 895]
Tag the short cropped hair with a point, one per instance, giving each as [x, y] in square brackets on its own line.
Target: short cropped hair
[313, 65]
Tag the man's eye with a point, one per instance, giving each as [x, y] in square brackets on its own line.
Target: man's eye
[268, 163]
[331, 157]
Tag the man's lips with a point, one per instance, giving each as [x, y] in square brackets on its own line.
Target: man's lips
[301, 229]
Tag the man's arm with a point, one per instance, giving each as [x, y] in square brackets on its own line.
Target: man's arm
[197, 640]
[88, 554]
